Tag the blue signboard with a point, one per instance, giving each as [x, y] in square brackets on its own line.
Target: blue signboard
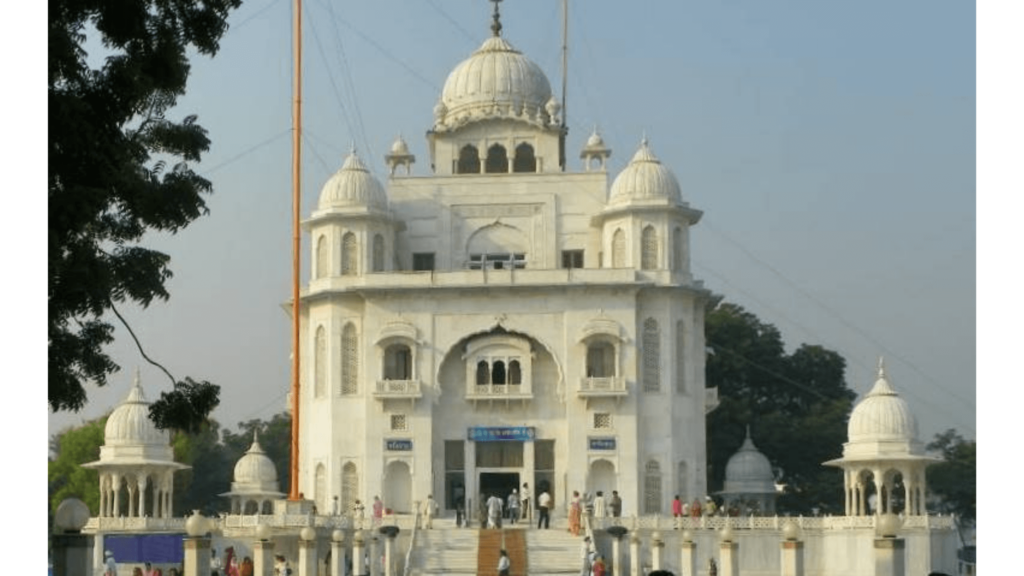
[502, 433]
[156, 548]
[398, 445]
[602, 443]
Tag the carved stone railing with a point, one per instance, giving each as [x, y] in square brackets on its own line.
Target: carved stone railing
[341, 522]
[498, 391]
[815, 523]
[592, 387]
[397, 389]
[134, 524]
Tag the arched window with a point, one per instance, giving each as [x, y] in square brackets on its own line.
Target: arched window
[320, 363]
[524, 161]
[497, 160]
[680, 357]
[515, 375]
[677, 250]
[649, 249]
[322, 264]
[349, 360]
[498, 373]
[469, 160]
[349, 255]
[683, 482]
[320, 487]
[652, 356]
[378, 253]
[600, 360]
[652, 488]
[398, 362]
[483, 372]
[349, 487]
[619, 249]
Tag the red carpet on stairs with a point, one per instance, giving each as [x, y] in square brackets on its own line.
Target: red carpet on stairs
[489, 549]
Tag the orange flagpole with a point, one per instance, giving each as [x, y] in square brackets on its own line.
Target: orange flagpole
[293, 484]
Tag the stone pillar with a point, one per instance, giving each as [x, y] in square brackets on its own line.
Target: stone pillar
[528, 477]
[688, 558]
[729, 563]
[358, 565]
[337, 566]
[388, 559]
[263, 558]
[197, 556]
[634, 555]
[72, 554]
[616, 557]
[374, 556]
[792, 558]
[656, 545]
[890, 557]
[307, 557]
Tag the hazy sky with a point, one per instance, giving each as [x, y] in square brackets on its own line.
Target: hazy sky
[831, 146]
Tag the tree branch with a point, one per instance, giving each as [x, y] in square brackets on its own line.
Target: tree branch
[139, 344]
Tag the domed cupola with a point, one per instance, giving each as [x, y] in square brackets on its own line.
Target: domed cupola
[749, 470]
[882, 416]
[645, 180]
[749, 478]
[129, 423]
[496, 81]
[352, 187]
[255, 483]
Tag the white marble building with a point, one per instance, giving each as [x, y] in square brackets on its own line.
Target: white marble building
[499, 319]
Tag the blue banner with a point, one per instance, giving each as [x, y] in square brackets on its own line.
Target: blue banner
[398, 445]
[502, 434]
[602, 443]
[155, 548]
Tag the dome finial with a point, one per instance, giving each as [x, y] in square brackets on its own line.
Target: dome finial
[137, 381]
[881, 366]
[496, 24]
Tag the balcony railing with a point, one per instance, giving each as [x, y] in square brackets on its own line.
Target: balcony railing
[397, 389]
[498, 391]
[597, 386]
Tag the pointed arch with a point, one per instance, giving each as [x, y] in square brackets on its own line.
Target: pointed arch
[349, 360]
[322, 261]
[469, 160]
[378, 253]
[349, 486]
[652, 487]
[649, 249]
[349, 255]
[651, 356]
[497, 160]
[320, 488]
[525, 161]
[320, 363]
[619, 249]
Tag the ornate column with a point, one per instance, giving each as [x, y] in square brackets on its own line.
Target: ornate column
[729, 552]
[143, 482]
[358, 565]
[656, 545]
[890, 551]
[389, 532]
[374, 556]
[634, 555]
[263, 552]
[688, 555]
[115, 482]
[307, 552]
[337, 553]
[617, 532]
[197, 546]
[792, 550]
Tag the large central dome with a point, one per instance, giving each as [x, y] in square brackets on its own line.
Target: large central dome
[496, 81]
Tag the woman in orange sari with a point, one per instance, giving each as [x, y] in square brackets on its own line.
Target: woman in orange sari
[574, 514]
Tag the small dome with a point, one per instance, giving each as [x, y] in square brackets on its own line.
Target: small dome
[595, 140]
[496, 81]
[882, 416]
[353, 185]
[644, 179]
[129, 423]
[748, 471]
[255, 469]
[399, 147]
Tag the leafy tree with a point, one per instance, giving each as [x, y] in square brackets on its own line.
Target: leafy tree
[118, 167]
[66, 477]
[796, 404]
[275, 438]
[200, 487]
[954, 480]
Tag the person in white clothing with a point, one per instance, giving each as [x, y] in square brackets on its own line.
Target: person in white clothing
[429, 509]
[494, 506]
[600, 509]
[504, 564]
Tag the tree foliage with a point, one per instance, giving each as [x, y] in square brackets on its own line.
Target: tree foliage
[954, 480]
[275, 437]
[796, 405]
[65, 475]
[118, 167]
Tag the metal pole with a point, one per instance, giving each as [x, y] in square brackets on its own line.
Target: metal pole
[293, 492]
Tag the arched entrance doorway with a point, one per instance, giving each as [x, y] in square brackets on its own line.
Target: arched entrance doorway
[398, 488]
[601, 478]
